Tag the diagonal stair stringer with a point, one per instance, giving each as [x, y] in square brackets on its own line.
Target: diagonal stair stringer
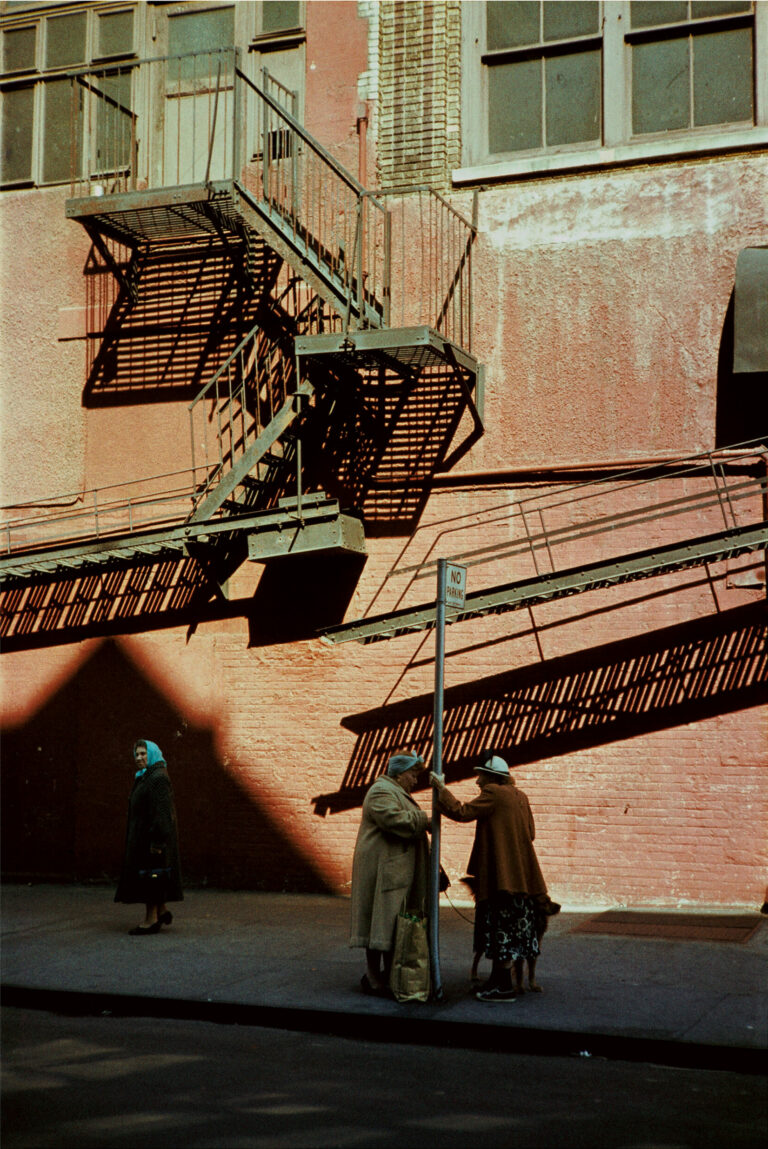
[250, 457]
[299, 254]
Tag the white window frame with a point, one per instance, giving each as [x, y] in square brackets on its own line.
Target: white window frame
[618, 146]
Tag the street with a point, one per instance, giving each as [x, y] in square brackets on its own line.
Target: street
[138, 1082]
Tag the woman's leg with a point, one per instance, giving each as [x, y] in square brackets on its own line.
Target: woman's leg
[378, 978]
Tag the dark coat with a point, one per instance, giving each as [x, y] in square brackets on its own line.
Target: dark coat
[151, 842]
[503, 857]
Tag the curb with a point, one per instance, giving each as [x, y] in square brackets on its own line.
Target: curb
[406, 1031]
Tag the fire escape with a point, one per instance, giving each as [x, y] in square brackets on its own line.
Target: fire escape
[356, 330]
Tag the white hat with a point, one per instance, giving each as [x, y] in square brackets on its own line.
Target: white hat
[494, 765]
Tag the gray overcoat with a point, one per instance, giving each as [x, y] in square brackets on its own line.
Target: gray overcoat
[390, 866]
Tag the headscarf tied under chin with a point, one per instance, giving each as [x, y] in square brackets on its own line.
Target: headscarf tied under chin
[399, 763]
[154, 755]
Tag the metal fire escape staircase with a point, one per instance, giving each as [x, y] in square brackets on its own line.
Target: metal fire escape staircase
[184, 151]
[725, 491]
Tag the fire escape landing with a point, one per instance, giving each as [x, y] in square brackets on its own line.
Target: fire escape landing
[183, 151]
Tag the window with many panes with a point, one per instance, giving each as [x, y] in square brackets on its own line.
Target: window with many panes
[43, 45]
[545, 80]
[36, 97]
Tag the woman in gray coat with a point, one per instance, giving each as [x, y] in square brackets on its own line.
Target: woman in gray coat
[390, 866]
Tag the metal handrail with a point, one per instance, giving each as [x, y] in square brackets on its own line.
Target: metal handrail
[698, 465]
[99, 514]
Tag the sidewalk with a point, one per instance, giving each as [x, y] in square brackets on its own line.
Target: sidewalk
[282, 960]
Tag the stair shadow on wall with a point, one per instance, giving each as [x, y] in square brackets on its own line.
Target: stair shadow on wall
[193, 306]
[110, 602]
[607, 694]
[295, 598]
[67, 774]
[377, 440]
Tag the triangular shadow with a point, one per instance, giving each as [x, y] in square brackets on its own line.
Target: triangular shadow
[67, 776]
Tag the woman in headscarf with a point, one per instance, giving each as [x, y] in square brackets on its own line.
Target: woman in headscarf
[390, 866]
[151, 872]
[508, 883]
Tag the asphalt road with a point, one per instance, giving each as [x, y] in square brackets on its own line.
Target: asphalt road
[137, 1082]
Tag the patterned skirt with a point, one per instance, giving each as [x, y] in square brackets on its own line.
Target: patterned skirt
[505, 927]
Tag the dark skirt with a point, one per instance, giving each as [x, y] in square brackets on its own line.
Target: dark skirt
[505, 927]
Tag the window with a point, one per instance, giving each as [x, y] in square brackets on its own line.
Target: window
[550, 85]
[37, 96]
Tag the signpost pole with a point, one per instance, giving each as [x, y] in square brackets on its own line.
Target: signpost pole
[437, 767]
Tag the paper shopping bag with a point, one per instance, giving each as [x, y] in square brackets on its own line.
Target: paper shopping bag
[409, 978]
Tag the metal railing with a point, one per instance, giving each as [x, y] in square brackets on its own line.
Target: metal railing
[547, 532]
[100, 512]
[166, 122]
[400, 258]
[430, 256]
[235, 405]
[322, 210]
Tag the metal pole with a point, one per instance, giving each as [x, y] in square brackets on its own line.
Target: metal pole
[437, 767]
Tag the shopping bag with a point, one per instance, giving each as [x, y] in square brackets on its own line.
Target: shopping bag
[409, 977]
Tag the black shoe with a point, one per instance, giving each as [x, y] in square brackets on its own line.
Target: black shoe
[496, 993]
[166, 918]
[139, 931]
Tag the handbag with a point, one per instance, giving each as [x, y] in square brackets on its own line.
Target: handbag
[409, 978]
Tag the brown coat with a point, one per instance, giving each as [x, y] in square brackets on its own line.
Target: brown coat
[503, 857]
[390, 865]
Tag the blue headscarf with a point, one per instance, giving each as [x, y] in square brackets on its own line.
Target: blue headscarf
[399, 763]
[154, 755]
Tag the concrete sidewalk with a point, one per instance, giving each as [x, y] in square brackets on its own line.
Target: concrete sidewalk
[282, 960]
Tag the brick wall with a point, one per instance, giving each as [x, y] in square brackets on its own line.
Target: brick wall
[419, 92]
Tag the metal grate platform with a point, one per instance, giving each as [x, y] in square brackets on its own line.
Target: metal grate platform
[545, 588]
[409, 349]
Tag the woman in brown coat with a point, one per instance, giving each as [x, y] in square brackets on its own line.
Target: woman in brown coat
[390, 866]
[506, 873]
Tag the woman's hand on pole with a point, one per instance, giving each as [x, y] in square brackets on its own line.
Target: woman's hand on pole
[436, 780]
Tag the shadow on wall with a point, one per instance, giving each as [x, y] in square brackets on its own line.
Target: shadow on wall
[379, 436]
[608, 694]
[193, 303]
[742, 396]
[295, 598]
[67, 774]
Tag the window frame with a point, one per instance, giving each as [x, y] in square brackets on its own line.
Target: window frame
[38, 76]
[619, 146]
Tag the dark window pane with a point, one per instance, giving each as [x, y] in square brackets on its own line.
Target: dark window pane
[276, 15]
[65, 40]
[514, 106]
[112, 144]
[660, 86]
[115, 34]
[573, 98]
[562, 20]
[57, 138]
[19, 49]
[649, 13]
[201, 31]
[512, 24]
[18, 113]
[722, 77]
[701, 8]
